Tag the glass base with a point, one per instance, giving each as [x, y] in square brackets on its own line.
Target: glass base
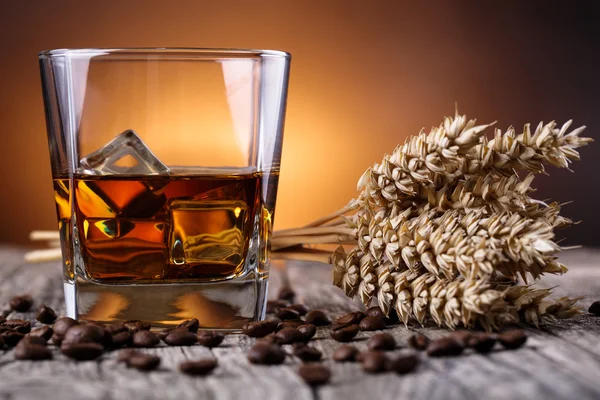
[225, 305]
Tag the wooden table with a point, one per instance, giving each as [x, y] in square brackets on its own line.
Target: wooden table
[560, 361]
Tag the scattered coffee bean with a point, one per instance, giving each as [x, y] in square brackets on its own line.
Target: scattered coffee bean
[289, 336]
[144, 339]
[18, 325]
[21, 303]
[404, 364]
[271, 338]
[290, 323]
[46, 315]
[12, 338]
[462, 337]
[481, 342]
[2, 319]
[374, 361]
[351, 318]
[1, 342]
[446, 346]
[57, 339]
[122, 339]
[287, 313]
[116, 328]
[191, 324]
[43, 331]
[272, 305]
[266, 354]
[382, 341]
[143, 362]
[314, 374]
[163, 334]
[345, 353]
[307, 353]
[198, 368]
[418, 341]
[84, 333]
[134, 325]
[512, 339]
[595, 308]
[32, 351]
[28, 339]
[317, 318]
[126, 354]
[375, 312]
[181, 337]
[344, 333]
[307, 331]
[82, 351]
[210, 339]
[301, 309]
[372, 324]
[286, 293]
[259, 328]
[62, 324]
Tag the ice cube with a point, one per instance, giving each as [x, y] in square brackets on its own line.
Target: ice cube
[125, 154]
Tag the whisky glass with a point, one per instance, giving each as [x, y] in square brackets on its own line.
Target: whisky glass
[165, 164]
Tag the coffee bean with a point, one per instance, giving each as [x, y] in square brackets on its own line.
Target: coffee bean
[375, 312]
[113, 329]
[418, 341]
[272, 305]
[210, 339]
[46, 315]
[286, 293]
[84, 334]
[43, 331]
[143, 362]
[481, 342]
[1, 342]
[307, 353]
[32, 351]
[372, 324]
[374, 361]
[595, 308]
[144, 339]
[512, 339]
[28, 339]
[259, 328]
[21, 303]
[289, 335]
[351, 318]
[345, 353]
[135, 325]
[198, 368]
[287, 313]
[82, 351]
[180, 337]
[462, 337]
[344, 333]
[446, 346]
[266, 354]
[18, 325]
[301, 309]
[317, 318]
[314, 374]
[62, 324]
[2, 319]
[122, 339]
[57, 339]
[12, 338]
[290, 323]
[307, 331]
[404, 364]
[126, 354]
[382, 341]
[163, 334]
[191, 324]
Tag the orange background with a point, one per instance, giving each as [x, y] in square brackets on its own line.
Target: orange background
[365, 75]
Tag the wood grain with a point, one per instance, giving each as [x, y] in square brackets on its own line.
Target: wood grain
[560, 361]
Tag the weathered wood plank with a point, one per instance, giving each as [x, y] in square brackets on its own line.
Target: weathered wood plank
[561, 361]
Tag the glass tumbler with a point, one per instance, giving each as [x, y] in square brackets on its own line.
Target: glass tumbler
[165, 165]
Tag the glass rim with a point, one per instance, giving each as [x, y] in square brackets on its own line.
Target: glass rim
[216, 53]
